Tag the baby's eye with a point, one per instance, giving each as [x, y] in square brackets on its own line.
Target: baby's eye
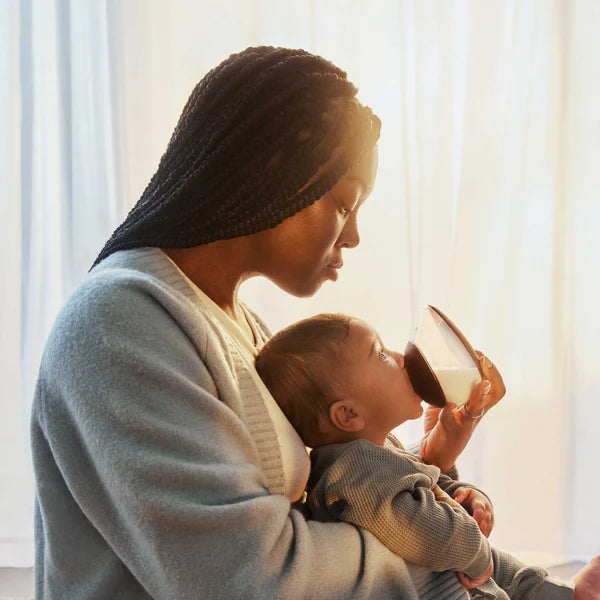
[383, 355]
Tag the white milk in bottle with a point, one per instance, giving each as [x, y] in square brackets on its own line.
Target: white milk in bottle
[457, 383]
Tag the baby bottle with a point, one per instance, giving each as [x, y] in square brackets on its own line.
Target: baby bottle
[441, 364]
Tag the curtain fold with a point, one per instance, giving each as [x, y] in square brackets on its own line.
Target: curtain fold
[60, 202]
[580, 293]
[15, 483]
[486, 204]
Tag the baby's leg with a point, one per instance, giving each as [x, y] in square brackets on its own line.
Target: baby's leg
[522, 582]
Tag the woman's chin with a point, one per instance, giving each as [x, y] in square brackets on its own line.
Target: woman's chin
[300, 289]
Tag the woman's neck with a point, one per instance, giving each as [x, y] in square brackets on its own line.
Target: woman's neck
[218, 269]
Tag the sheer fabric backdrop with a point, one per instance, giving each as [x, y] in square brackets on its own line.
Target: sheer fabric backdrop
[486, 205]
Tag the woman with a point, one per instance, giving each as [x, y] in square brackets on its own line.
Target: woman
[163, 467]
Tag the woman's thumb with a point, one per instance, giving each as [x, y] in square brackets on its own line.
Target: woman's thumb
[447, 412]
[460, 495]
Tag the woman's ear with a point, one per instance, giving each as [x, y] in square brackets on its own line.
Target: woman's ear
[345, 416]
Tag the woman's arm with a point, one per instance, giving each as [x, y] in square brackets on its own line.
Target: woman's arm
[148, 483]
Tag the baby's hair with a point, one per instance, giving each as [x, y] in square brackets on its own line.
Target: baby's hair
[300, 365]
[246, 150]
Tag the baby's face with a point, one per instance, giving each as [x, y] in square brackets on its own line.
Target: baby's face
[377, 379]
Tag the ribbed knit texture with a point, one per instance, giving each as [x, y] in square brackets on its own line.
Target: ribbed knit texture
[260, 426]
[433, 585]
[253, 133]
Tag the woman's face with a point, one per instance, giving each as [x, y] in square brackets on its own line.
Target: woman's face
[306, 249]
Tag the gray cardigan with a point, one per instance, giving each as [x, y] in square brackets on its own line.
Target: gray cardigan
[158, 472]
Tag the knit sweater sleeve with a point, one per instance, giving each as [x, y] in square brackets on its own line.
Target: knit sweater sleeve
[391, 496]
[447, 481]
[148, 485]
[450, 486]
[414, 448]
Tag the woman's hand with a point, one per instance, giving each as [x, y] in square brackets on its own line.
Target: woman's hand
[448, 429]
[441, 496]
[478, 506]
[473, 583]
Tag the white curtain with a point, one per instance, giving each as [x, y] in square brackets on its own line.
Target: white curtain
[486, 205]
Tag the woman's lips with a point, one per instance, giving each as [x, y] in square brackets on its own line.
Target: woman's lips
[332, 271]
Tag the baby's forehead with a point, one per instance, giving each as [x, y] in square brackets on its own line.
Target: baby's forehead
[361, 330]
[360, 338]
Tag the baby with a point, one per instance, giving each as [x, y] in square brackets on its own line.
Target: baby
[344, 392]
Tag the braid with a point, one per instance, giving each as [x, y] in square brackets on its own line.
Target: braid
[245, 187]
[253, 132]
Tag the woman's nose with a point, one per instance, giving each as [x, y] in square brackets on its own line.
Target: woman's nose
[349, 238]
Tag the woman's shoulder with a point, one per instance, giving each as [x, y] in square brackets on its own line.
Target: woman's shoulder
[139, 268]
[127, 294]
[116, 288]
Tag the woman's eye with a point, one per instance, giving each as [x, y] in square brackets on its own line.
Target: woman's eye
[383, 355]
[344, 210]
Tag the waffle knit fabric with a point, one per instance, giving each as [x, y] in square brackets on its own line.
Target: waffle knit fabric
[158, 471]
[388, 491]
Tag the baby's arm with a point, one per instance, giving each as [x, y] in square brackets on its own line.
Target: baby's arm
[471, 498]
[392, 497]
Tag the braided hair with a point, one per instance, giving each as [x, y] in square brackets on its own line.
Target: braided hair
[253, 133]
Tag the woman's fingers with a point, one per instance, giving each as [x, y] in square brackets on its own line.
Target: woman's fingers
[485, 526]
[484, 518]
[461, 494]
[473, 409]
[478, 506]
[465, 581]
[447, 415]
[431, 418]
[491, 373]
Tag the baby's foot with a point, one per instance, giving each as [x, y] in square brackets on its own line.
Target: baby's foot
[587, 581]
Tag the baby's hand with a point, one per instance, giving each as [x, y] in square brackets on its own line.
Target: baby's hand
[478, 506]
[473, 583]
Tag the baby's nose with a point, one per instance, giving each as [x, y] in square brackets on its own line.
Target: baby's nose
[399, 358]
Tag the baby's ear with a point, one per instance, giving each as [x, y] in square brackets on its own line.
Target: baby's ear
[345, 416]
